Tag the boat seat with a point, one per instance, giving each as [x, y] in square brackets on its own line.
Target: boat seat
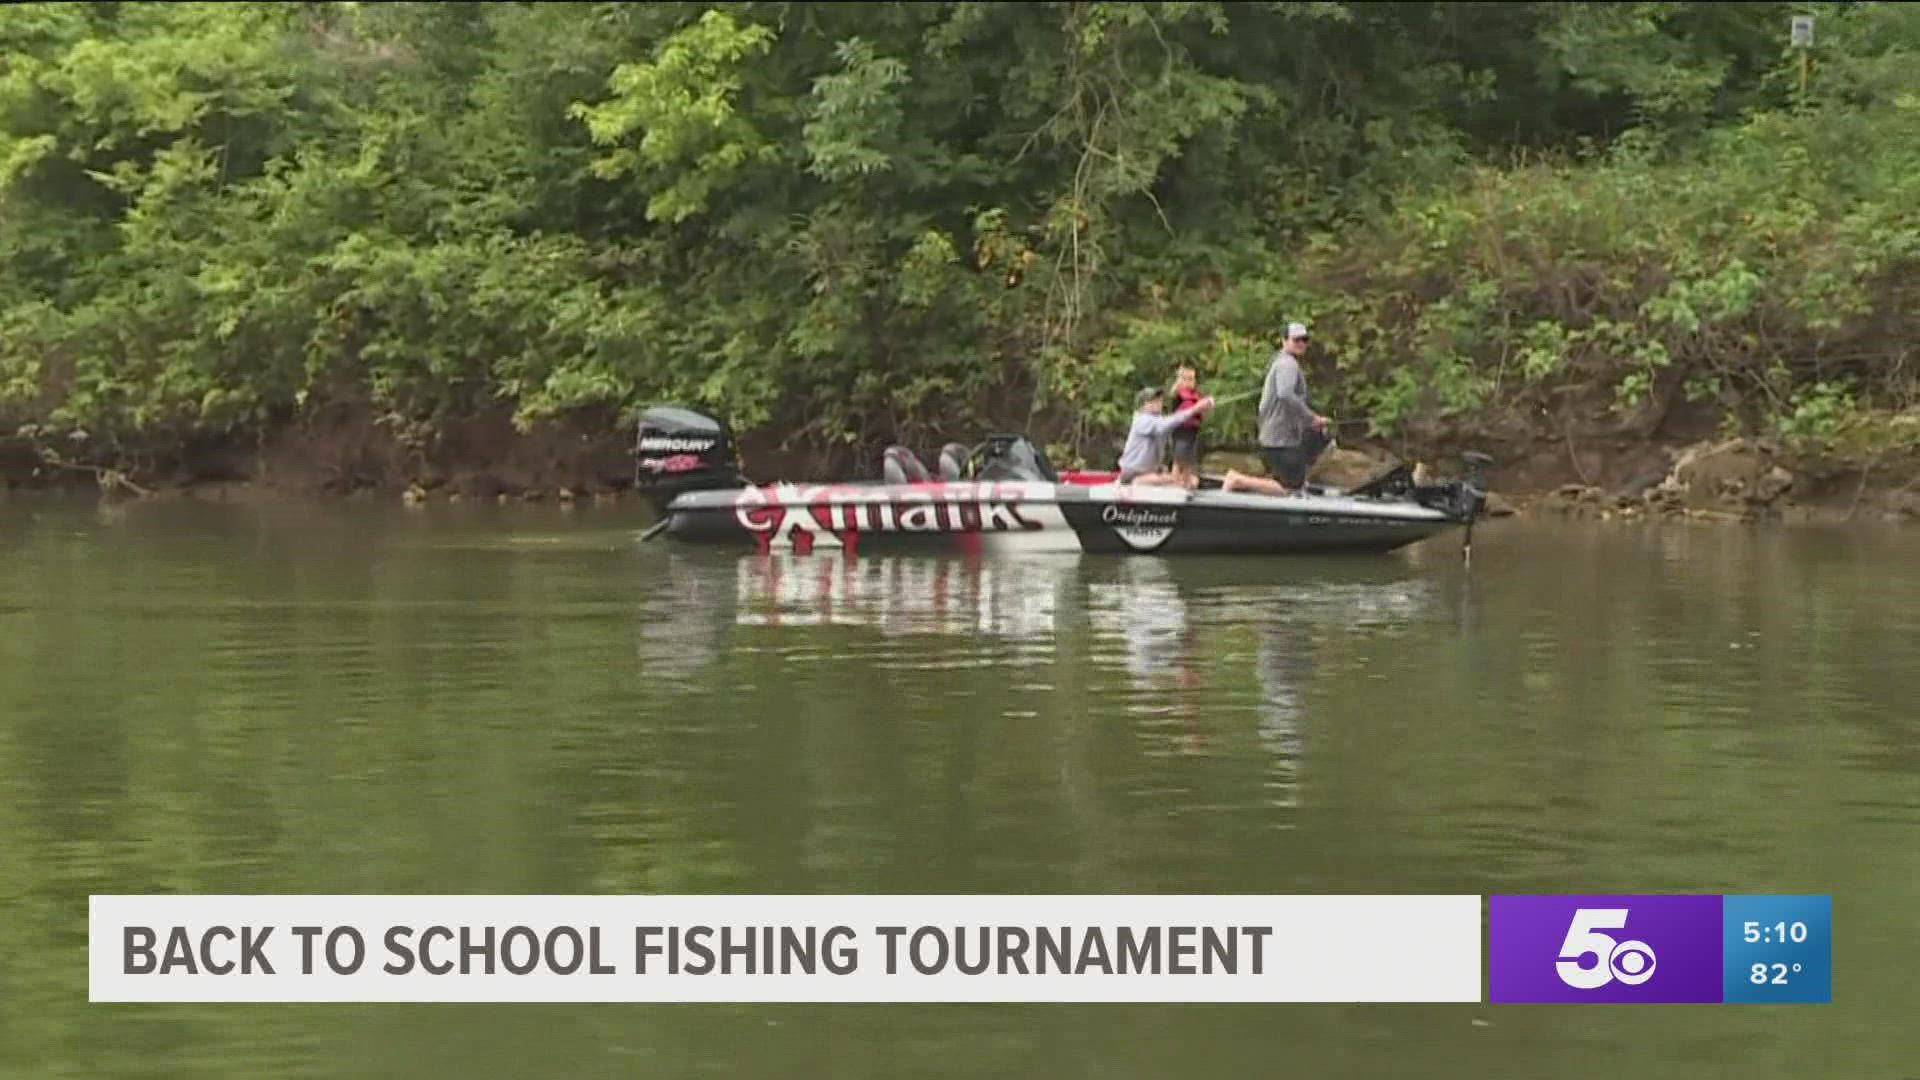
[899, 466]
[953, 462]
[1014, 457]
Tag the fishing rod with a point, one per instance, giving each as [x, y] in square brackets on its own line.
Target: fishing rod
[1231, 398]
[1245, 394]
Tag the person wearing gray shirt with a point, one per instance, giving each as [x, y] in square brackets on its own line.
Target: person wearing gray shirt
[1147, 440]
[1292, 435]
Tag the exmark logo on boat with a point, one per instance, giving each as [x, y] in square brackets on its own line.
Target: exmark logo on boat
[1144, 528]
[800, 518]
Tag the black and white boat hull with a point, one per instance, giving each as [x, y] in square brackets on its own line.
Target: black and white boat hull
[1038, 516]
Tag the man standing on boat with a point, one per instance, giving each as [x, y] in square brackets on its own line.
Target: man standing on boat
[1292, 435]
[1147, 441]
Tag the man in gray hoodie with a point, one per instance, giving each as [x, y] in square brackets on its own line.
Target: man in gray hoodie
[1147, 440]
[1292, 435]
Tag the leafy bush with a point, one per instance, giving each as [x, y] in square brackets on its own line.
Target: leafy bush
[851, 224]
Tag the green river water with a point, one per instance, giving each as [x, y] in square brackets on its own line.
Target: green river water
[357, 698]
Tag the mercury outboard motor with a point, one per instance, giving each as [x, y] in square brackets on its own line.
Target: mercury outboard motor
[678, 450]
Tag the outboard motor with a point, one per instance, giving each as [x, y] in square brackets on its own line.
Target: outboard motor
[678, 450]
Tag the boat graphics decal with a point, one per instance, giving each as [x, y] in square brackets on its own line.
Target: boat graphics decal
[1142, 528]
[677, 463]
[1028, 516]
[801, 517]
[674, 453]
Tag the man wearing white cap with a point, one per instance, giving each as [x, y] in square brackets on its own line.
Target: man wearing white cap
[1292, 435]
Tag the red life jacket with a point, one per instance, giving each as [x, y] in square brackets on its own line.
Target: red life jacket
[1186, 399]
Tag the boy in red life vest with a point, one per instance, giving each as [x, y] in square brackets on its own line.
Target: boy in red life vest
[1186, 437]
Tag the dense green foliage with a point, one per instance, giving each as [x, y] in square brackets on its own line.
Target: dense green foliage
[852, 223]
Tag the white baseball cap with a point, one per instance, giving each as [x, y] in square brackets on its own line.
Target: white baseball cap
[1296, 330]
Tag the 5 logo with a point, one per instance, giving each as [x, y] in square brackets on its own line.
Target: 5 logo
[1590, 959]
[1595, 948]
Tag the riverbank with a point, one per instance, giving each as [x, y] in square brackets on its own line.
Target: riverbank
[1726, 479]
[1732, 480]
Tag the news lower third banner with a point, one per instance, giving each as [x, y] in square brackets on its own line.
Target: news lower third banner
[1007, 948]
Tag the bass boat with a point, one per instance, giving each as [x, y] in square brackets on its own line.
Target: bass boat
[1003, 494]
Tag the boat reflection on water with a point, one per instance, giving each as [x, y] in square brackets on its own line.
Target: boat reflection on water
[1358, 602]
[1295, 622]
[686, 622]
[1206, 650]
[1017, 599]
[1143, 608]
[1285, 665]
[1178, 631]
[682, 622]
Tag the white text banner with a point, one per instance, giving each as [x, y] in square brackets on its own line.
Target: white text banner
[778, 948]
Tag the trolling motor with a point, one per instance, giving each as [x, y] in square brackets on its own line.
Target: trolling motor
[1463, 500]
[1472, 498]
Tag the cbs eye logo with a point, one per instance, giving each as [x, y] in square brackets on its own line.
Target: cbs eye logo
[1590, 959]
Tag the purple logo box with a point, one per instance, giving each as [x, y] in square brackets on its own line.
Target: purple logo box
[1604, 948]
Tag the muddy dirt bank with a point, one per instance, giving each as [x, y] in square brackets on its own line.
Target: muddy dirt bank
[1740, 479]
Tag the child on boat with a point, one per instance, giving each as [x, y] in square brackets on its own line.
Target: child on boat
[1186, 437]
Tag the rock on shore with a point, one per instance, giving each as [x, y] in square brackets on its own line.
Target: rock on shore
[1740, 479]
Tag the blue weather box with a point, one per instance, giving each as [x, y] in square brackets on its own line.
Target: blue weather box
[1778, 949]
